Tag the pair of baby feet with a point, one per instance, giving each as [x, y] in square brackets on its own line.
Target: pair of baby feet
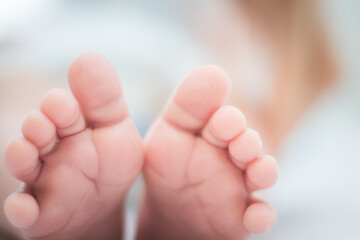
[78, 158]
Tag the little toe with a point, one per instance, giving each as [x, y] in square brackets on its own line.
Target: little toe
[198, 96]
[39, 130]
[262, 173]
[21, 209]
[259, 218]
[225, 124]
[62, 109]
[245, 147]
[96, 86]
[22, 160]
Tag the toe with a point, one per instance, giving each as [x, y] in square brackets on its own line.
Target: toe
[225, 124]
[39, 130]
[22, 160]
[21, 209]
[96, 86]
[259, 218]
[62, 109]
[198, 96]
[245, 147]
[261, 173]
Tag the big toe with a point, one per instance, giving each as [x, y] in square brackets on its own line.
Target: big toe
[96, 86]
[198, 96]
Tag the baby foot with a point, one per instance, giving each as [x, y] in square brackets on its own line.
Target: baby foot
[201, 166]
[77, 158]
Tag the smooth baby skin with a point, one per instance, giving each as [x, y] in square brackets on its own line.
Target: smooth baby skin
[77, 158]
[201, 165]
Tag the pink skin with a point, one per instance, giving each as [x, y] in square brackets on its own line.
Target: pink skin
[201, 166]
[77, 158]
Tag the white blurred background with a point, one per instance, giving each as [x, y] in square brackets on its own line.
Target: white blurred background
[153, 44]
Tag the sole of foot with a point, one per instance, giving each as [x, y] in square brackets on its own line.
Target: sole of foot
[77, 158]
[202, 165]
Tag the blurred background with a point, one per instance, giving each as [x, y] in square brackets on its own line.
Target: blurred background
[295, 70]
